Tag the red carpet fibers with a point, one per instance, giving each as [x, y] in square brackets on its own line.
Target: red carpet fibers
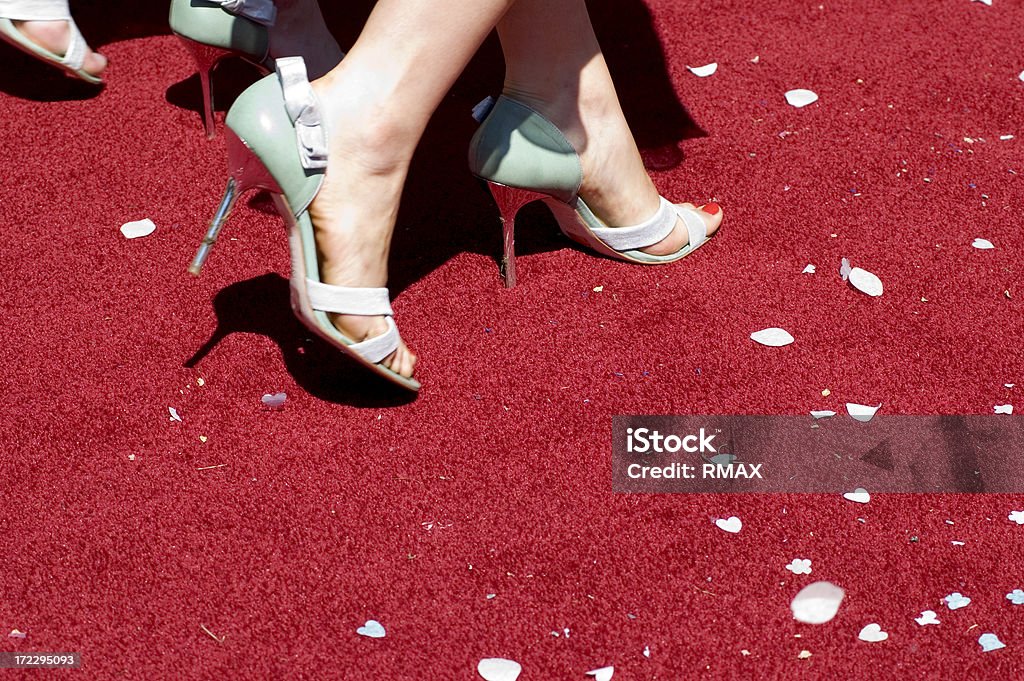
[122, 539]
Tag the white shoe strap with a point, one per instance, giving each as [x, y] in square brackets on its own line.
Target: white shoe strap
[645, 234]
[304, 111]
[358, 301]
[695, 225]
[75, 55]
[377, 348]
[348, 300]
[260, 11]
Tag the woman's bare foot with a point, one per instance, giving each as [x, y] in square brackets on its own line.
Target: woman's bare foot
[55, 37]
[616, 185]
[355, 210]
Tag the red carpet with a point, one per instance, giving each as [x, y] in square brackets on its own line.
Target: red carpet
[122, 540]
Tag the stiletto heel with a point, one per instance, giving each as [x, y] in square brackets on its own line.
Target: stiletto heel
[246, 172]
[219, 218]
[276, 141]
[210, 34]
[510, 200]
[206, 57]
[524, 157]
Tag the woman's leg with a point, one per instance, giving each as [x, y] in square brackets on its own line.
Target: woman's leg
[377, 102]
[554, 64]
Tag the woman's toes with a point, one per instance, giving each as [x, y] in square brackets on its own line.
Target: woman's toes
[401, 361]
[407, 361]
[95, 63]
[711, 214]
[55, 37]
[360, 328]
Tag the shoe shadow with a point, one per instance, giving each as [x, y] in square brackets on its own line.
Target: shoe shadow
[31, 79]
[261, 306]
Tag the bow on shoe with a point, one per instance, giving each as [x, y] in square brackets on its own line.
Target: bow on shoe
[260, 11]
[304, 111]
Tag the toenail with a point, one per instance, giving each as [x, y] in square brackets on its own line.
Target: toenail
[711, 208]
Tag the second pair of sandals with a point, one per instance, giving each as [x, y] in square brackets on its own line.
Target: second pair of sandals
[277, 141]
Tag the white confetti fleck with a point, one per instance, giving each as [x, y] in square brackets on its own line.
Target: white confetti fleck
[274, 400]
[808, 270]
[372, 629]
[174, 414]
[823, 414]
[16, 634]
[800, 566]
[859, 495]
[982, 244]
[873, 633]
[1016, 517]
[772, 337]
[731, 524]
[1006, 137]
[499, 669]
[817, 603]
[927, 617]
[138, 228]
[647, 651]
[862, 412]
[865, 282]
[1003, 408]
[956, 600]
[704, 71]
[602, 674]
[844, 269]
[990, 642]
[801, 98]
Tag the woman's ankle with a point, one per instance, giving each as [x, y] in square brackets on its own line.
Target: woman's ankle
[367, 121]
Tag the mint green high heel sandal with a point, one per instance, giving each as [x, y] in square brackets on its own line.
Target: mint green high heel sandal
[211, 32]
[72, 60]
[277, 141]
[524, 157]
